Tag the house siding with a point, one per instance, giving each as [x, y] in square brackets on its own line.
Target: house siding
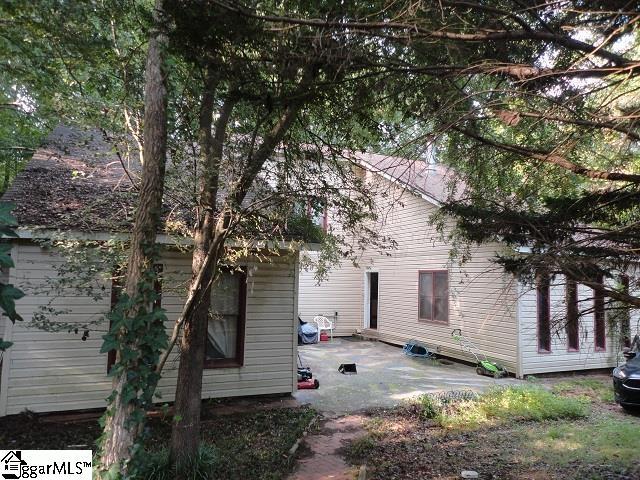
[560, 359]
[482, 299]
[340, 293]
[58, 371]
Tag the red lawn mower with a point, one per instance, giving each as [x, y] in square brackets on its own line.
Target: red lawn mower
[305, 377]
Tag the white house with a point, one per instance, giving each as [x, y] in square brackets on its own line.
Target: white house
[75, 186]
[418, 292]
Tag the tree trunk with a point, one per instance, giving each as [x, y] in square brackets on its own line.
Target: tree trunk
[119, 433]
[209, 248]
[185, 435]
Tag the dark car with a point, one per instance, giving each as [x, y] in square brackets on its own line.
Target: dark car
[626, 382]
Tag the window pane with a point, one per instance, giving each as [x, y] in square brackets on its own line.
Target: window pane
[441, 284]
[425, 307]
[225, 295]
[224, 315]
[222, 335]
[441, 309]
[426, 285]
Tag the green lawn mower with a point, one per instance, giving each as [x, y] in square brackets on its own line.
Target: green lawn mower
[484, 366]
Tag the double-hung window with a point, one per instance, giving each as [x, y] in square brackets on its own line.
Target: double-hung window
[433, 296]
[226, 326]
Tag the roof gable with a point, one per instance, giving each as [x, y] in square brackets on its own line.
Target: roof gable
[429, 181]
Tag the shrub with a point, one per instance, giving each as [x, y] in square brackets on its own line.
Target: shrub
[360, 448]
[433, 405]
[429, 407]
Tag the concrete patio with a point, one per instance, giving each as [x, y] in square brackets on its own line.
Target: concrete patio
[385, 376]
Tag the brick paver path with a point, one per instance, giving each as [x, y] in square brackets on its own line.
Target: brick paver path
[325, 461]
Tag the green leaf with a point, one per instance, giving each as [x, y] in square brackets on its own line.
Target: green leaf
[7, 231]
[8, 295]
[5, 259]
[4, 345]
[109, 344]
[6, 218]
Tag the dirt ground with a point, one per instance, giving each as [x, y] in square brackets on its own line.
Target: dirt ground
[252, 440]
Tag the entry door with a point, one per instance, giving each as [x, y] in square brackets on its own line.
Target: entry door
[373, 300]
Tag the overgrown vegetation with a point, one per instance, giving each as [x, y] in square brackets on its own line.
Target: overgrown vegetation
[588, 388]
[599, 442]
[528, 403]
[8, 293]
[564, 431]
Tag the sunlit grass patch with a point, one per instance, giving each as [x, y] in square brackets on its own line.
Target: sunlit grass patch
[593, 388]
[530, 403]
[605, 441]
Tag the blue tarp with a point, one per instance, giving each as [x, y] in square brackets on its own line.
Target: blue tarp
[307, 333]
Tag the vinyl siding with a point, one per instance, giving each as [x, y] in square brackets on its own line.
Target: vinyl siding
[482, 299]
[58, 371]
[341, 292]
[560, 359]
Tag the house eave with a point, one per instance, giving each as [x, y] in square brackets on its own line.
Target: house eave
[161, 239]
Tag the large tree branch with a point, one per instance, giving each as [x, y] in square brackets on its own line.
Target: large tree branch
[552, 158]
[574, 121]
[414, 30]
[516, 71]
[274, 136]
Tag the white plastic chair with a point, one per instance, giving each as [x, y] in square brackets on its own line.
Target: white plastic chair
[323, 323]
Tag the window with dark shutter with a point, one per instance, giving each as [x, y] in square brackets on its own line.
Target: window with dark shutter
[624, 318]
[572, 325]
[544, 314]
[599, 321]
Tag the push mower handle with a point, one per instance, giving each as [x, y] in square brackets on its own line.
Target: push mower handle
[456, 332]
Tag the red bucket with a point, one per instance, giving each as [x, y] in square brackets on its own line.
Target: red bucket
[324, 337]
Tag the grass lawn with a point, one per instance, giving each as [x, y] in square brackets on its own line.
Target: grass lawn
[564, 430]
[243, 445]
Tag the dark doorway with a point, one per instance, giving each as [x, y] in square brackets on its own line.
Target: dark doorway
[373, 300]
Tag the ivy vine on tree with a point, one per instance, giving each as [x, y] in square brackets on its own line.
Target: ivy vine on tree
[8, 293]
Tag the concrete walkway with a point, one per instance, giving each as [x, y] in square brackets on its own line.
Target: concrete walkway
[385, 376]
